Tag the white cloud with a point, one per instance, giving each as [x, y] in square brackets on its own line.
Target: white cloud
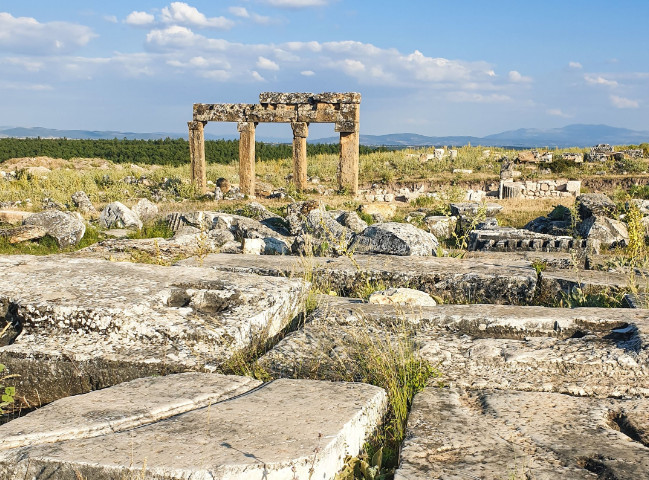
[266, 64]
[557, 112]
[26, 64]
[469, 97]
[36, 87]
[172, 37]
[27, 35]
[575, 65]
[139, 19]
[257, 77]
[599, 80]
[307, 73]
[297, 3]
[516, 77]
[621, 102]
[180, 13]
[110, 18]
[239, 12]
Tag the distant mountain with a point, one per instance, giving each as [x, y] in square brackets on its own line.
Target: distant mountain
[569, 136]
[34, 132]
[577, 135]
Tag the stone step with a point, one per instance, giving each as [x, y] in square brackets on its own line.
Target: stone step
[503, 434]
[582, 351]
[456, 280]
[195, 426]
[83, 324]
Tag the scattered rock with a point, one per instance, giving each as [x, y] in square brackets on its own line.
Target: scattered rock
[384, 210]
[23, 233]
[395, 239]
[607, 231]
[253, 246]
[440, 225]
[224, 185]
[13, 216]
[118, 215]
[590, 204]
[473, 208]
[145, 210]
[67, 228]
[402, 296]
[81, 200]
[352, 221]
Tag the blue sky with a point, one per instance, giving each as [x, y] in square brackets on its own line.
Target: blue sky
[429, 67]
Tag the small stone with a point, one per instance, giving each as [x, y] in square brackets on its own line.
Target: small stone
[67, 228]
[118, 215]
[253, 246]
[145, 209]
[402, 296]
[223, 184]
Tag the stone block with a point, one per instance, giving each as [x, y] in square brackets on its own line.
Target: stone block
[82, 324]
[227, 427]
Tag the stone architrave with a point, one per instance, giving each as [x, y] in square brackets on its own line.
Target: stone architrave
[197, 154]
[300, 132]
[247, 158]
[298, 109]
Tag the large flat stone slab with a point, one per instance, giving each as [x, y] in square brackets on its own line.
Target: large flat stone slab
[453, 434]
[217, 427]
[457, 280]
[83, 324]
[582, 351]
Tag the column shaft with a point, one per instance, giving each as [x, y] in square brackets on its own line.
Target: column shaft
[197, 155]
[348, 166]
[300, 133]
[247, 158]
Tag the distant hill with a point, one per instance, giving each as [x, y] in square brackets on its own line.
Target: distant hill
[34, 132]
[569, 136]
[577, 135]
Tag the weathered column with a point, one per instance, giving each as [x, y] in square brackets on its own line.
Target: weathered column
[197, 155]
[348, 166]
[300, 132]
[247, 157]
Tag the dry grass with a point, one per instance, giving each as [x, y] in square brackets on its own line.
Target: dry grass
[517, 212]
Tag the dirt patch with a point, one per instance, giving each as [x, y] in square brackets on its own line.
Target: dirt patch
[14, 164]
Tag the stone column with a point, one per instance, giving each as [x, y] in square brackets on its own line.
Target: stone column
[300, 132]
[348, 166]
[247, 158]
[197, 155]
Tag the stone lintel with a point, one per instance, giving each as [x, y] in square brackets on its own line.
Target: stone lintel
[233, 112]
[305, 98]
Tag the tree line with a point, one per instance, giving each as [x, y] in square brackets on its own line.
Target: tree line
[170, 151]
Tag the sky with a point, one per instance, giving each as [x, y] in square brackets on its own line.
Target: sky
[432, 67]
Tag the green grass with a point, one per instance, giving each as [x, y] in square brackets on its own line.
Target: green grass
[47, 245]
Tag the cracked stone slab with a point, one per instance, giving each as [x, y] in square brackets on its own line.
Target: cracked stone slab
[222, 428]
[456, 434]
[456, 280]
[584, 351]
[84, 324]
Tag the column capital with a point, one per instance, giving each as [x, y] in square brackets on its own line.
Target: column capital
[245, 126]
[300, 129]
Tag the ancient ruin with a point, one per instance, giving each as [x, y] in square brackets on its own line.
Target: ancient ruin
[298, 109]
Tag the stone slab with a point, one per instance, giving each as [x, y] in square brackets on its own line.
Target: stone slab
[14, 217]
[280, 430]
[122, 407]
[583, 351]
[84, 324]
[454, 279]
[453, 434]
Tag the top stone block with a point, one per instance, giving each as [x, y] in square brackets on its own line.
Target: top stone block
[306, 98]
